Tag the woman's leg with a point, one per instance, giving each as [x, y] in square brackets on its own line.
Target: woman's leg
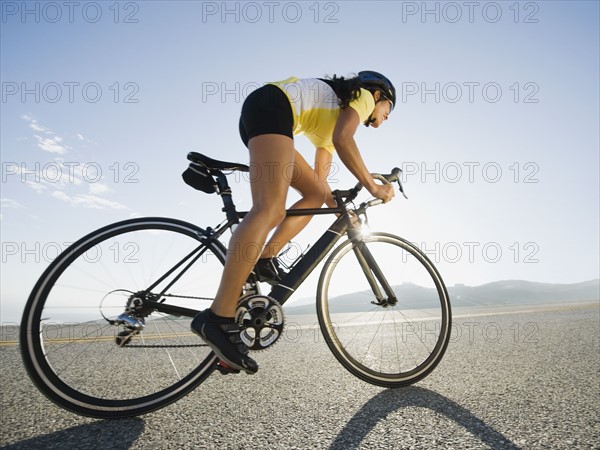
[312, 184]
[270, 155]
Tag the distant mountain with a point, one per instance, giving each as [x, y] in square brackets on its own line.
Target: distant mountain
[523, 292]
[510, 292]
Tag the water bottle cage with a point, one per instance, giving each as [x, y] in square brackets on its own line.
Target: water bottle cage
[286, 250]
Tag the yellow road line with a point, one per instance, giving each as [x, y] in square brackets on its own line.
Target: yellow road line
[101, 339]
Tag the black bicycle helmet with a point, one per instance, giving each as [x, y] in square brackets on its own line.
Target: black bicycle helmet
[371, 80]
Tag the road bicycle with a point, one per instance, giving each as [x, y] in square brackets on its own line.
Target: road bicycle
[106, 330]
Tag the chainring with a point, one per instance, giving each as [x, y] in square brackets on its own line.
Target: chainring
[261, 320]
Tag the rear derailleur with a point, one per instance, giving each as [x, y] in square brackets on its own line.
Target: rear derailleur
[133, 318]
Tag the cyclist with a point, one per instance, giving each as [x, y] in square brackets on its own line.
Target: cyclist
[328, 112]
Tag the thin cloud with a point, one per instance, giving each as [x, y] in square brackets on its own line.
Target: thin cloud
[88, 201]
[10, 203]
[51, 145]
[65, 181]
[81, 137]
[38, 187]
[99, 188]
[48, 144]
[34, 125]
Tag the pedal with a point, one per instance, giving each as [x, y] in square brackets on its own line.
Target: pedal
[225, 369]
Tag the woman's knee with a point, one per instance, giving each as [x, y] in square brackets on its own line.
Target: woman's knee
[269, 214]
[317, 196]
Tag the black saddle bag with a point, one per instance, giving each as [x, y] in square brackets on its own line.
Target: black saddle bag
[198, 177]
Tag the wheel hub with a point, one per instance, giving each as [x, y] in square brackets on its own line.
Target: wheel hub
[133, 318]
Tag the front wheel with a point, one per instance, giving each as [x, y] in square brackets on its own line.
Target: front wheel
[86, 354]
[394, 338]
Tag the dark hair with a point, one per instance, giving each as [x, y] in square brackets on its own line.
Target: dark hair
[346, 89]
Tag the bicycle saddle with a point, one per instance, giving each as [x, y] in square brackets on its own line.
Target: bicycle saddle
[214, 164]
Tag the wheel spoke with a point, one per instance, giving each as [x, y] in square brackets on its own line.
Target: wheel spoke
[77, 357]
[166, 350]
[387, 346]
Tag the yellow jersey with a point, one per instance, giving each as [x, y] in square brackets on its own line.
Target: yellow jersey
[315, 108]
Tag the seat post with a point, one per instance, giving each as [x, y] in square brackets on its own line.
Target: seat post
[226, 195]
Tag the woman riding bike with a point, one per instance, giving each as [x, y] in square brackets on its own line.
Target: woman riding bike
[328, 112]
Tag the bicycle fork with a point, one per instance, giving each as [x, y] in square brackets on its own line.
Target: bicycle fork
[373, 273]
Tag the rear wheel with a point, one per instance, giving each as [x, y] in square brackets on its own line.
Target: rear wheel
[390, 343]
[85, 354]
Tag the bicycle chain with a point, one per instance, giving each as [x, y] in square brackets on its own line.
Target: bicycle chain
[164, 346]
[187, 296]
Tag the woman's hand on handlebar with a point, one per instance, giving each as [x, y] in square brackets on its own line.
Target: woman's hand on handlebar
[384, 192]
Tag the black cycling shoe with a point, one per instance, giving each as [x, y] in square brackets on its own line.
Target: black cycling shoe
[269, 270]
[225, 369]
[223, 337]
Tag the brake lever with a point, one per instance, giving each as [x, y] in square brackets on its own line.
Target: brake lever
[401, 188]
[396, 175]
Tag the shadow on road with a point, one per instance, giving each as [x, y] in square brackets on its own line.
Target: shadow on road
[392, 400]
[113, 434]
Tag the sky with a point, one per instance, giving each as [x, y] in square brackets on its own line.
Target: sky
[496, 125]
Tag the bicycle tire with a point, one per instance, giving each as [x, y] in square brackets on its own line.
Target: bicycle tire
[112, 385]
[357, 331]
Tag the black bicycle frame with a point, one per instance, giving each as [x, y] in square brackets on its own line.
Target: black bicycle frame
[311, 259]
[290, 282]
[301, 269]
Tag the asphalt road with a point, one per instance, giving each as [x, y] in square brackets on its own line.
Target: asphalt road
[524, 377]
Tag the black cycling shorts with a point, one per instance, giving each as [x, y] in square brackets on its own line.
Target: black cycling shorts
[266, 110]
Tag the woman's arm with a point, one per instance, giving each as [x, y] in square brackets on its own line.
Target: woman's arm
[322, 167]
[343, 140]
